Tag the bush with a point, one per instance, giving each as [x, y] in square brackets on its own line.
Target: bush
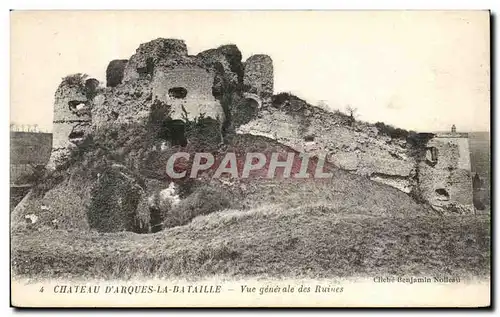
[203, 201]
[389, 130]
[203, 133]
[279, 99]
[90, 86]
[75, 80]
[114, 201]
[48, 181]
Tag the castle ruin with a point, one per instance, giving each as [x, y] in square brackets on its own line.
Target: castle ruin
[191, 86]
[71, 122]
[444, 176]
[219, 87]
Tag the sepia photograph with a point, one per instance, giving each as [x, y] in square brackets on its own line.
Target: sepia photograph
[250, 159]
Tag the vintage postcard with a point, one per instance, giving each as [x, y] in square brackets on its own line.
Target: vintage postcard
[250, 159]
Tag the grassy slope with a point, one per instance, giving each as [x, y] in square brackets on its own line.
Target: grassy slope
[70, 198]
[344, 226]
[269, 241]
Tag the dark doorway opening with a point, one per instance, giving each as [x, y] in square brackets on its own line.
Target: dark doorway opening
[443, 193]
[176, 131]
[177, 92]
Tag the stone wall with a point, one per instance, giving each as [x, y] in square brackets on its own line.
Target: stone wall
[359, 149]
[216, 83]
[159, 70]
[259, 76]
[444, 174]
[229, 58]
[149, 54]
[188, 87]
[115, 72]
[72, 119]
[126, 103]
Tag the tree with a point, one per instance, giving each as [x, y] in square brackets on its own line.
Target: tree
[352, 112]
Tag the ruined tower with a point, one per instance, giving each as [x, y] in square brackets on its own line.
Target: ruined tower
[72, 117]
[445, 178]
[258, 79]
[161, 71]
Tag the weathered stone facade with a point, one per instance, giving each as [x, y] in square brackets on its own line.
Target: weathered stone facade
[259, 76]
[115, 72]
[217, 86]
[444, 174]
[360, 150]
[72, 118]
[149, 54]
[189, 88]
[229, 59]
[161, 70]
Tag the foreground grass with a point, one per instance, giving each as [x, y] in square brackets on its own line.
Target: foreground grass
[311, 242]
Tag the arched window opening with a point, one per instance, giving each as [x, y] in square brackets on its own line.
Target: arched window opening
[442, 194]
[177, 92]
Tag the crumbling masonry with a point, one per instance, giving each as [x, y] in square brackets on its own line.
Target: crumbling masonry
[218, 87]
[161, 70]
[444, 174]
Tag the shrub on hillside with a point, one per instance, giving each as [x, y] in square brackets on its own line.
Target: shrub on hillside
[279, 99]
[75, 80]
[204, 200]
[203, 133]
[389, 130]
[418, 144]
[48, 181]
[114, 201]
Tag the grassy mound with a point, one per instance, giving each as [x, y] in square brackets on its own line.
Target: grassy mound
[310, 242]
[87, 194]
[347, 192]
[62, 207]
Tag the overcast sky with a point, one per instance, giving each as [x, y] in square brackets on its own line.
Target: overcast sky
[416, 70]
